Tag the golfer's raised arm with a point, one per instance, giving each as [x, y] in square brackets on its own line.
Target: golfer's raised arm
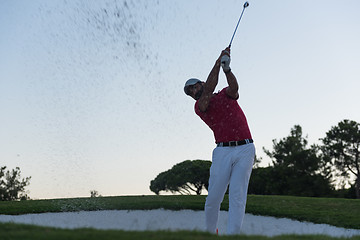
[213, 77]
[233, 89]
[209, 86]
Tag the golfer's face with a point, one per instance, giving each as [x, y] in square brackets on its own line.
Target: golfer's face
[194, 89]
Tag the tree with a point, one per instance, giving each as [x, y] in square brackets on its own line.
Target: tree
[297, 169]
[342, 147]
[261, 181]
[11, 186]
[185, 178]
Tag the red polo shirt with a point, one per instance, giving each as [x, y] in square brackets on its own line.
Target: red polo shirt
[225, 118]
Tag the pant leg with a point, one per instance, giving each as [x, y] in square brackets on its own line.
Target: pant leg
[242, 166]
[219, 179]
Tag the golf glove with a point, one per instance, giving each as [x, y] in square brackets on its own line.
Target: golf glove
[225, 63]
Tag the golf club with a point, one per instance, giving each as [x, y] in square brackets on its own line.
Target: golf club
[246, 4]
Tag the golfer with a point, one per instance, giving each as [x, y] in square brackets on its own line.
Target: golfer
[233, 157]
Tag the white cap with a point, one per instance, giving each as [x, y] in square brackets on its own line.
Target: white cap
[190, 82]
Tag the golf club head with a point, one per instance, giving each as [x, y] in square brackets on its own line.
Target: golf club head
[246, 4]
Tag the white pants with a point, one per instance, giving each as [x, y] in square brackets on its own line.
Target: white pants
[230, 165]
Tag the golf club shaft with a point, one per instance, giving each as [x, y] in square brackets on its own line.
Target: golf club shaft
[245, 5]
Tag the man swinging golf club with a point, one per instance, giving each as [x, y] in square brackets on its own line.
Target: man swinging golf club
[233, 157]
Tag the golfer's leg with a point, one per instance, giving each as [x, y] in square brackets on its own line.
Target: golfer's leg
[239, 182]
[218, 182]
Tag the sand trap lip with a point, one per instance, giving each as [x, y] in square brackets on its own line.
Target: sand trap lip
[160, 219]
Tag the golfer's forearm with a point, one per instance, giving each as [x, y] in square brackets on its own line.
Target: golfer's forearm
[231, 79]
[213, 77]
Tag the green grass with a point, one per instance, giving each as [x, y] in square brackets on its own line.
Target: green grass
[103, 203]
[334, 211]
[337, 212]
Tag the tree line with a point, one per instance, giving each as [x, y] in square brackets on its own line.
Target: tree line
[328, 169]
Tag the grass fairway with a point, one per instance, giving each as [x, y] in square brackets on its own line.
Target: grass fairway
[333, 211]
[337, 212]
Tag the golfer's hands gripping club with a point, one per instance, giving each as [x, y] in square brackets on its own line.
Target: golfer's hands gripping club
[225, 60]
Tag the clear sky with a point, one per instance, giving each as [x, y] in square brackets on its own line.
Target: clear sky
[91, 92]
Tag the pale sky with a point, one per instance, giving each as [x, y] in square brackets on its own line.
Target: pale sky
[91, 92]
